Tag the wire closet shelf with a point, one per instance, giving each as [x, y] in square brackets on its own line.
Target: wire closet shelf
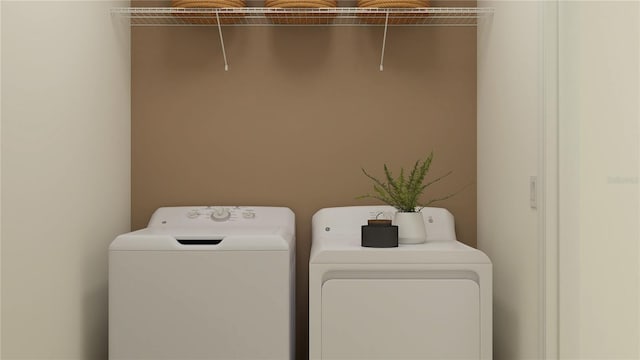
[338, 16]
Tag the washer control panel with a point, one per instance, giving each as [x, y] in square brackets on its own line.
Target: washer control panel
[222, 213]
[215, 217]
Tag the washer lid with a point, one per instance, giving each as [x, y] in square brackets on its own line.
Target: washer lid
[189, 239]
[347, 250]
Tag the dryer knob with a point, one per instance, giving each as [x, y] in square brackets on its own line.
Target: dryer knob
[220, 214]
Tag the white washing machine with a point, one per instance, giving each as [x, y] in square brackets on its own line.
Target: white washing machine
[204, 283]
[424, 301]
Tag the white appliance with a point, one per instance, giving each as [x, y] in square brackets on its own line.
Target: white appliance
[424, 301]
[204, 283]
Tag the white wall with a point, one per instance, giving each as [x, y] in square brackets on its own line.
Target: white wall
[509, 109]
[0, 181]
[599, 57]
[65, 166]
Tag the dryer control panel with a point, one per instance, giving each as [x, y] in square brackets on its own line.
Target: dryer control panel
[347, 221]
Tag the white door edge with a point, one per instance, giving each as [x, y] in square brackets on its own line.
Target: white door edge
[548, 156]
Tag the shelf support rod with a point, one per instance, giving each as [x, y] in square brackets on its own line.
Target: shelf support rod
[224, 53]
[384, 41]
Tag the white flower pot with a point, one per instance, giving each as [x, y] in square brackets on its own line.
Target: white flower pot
[411, 228]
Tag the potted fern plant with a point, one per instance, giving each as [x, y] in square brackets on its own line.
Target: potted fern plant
[403, 192]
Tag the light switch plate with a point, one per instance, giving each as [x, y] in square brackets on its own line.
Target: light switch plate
[533, 192]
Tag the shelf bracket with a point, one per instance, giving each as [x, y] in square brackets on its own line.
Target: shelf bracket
[384, 41]
[224, 53]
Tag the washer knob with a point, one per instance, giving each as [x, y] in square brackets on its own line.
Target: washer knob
[220, 214]
[192, 214]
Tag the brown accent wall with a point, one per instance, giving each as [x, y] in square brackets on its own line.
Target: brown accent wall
[300, 111]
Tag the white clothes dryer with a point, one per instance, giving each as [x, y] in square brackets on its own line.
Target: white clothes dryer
[204, 283]
[424, 301]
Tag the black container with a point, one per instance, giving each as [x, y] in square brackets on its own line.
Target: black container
[379, 234]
